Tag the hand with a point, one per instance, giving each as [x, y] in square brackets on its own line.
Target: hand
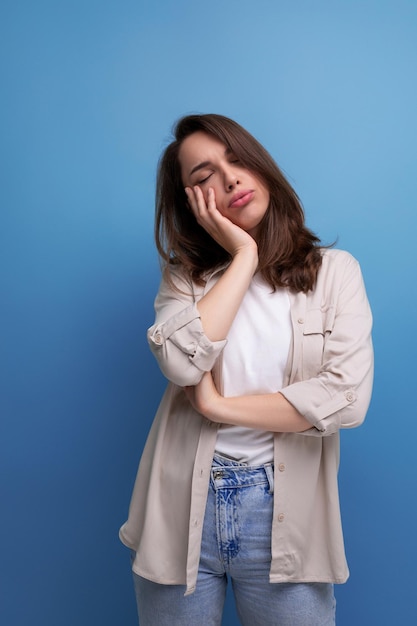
[204, 397]
[227, 234]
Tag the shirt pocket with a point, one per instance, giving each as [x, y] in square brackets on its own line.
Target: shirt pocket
[318, 324]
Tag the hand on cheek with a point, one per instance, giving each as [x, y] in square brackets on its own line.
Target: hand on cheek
[199, 201]
[228, 235]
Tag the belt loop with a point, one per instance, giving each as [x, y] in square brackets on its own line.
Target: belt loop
[269, 471]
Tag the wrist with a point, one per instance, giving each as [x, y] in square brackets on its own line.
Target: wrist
[248, 255]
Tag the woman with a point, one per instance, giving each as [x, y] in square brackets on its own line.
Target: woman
[265, 339]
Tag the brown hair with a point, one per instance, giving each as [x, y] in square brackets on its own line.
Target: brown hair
[289, 253]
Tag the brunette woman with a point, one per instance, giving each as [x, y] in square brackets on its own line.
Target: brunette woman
[265, 338]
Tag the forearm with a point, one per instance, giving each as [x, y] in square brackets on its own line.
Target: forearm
[265, 412]
[219, 306]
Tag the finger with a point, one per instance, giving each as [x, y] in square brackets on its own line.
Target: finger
[207, 206]
[201, 201]
[192, 202]
[196, 201]
[211, 200]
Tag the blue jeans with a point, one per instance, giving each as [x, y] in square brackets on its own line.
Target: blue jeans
[236, 544]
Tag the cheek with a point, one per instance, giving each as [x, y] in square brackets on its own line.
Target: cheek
[266, 199]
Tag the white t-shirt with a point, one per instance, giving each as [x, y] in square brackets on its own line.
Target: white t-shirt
[254, 361]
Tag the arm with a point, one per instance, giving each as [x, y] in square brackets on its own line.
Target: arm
[265, 412]
[188, 336]
[338, 394]
[219, 306]
[177, 339]
[336, 397]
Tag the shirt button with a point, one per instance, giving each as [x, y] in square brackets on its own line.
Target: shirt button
[158, 339]
[281, 467]
[300, 320]
[281, 517]
[349, 396]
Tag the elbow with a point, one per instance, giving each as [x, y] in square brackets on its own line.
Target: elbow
[184, 375]
[354, 415]
[351, 415]
[185, 364]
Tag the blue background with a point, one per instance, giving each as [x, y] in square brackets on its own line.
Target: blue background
[90, 90]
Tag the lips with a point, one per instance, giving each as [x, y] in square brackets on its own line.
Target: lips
[241, 198]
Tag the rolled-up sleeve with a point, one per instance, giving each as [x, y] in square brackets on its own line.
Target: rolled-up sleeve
[339, 395]
[177, 337]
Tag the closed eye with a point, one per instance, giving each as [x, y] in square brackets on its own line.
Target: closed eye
[203, 180]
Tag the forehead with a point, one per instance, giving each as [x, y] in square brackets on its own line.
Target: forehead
[199, 147]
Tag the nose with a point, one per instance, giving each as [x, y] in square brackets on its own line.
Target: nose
[231, 179]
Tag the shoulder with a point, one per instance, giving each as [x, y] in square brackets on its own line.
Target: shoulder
[336, 263]
[176, 277]
[339, 268]
[336, 257]
[174, 285]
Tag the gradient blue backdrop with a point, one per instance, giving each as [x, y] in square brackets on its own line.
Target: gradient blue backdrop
[90, 90]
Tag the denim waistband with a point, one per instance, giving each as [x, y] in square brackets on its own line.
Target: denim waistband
[231, 474]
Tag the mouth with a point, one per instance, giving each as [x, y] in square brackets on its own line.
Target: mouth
[241, 198]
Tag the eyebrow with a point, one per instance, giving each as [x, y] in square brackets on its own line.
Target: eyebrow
[204, 164]
[200, 166]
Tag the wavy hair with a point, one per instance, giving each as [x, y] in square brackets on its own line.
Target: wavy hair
[289, 253]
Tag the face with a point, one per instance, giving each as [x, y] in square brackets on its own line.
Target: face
[240, 195]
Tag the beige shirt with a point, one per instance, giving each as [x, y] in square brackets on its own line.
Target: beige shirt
[328, 379]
